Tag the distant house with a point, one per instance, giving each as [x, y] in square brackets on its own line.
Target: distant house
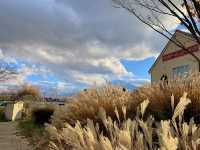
[174, 61]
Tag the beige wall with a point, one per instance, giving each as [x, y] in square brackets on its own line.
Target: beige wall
[166, 67]
[13, 111]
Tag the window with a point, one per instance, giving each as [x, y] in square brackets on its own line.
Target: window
[181, 71]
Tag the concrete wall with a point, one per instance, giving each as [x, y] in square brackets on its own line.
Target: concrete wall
[166, 67]
[9, 111]
[13, 111]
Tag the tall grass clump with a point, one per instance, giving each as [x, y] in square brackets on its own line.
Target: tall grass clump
[110, 118]
[86, 104]
[28, 93]
[129, 134]
[160, 94]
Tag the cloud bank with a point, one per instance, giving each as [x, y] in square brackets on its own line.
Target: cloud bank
[80, 42]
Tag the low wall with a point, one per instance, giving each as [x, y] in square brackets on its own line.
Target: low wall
[13, 111]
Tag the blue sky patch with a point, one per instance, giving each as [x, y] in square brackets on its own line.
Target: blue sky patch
[139, 68]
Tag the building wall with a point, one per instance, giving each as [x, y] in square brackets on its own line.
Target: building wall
[17, 110]
[166, 67]
[9, 111]
[13, 111]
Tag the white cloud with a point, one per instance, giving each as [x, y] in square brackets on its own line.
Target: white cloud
[78, 41]
[90, 79]
[111, 64]
[17, 80]
[53, 58]
[64, 87]
[1, 54]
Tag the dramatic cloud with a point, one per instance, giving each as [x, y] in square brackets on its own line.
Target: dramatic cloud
[79, 41]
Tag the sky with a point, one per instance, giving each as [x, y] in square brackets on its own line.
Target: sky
[64, 46]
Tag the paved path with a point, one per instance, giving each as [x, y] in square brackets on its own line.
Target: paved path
[8, 138]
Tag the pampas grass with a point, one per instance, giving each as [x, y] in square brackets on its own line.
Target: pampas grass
[129, 134]
[86, 104]
[151, 117]
[162, 100]
[162, 104]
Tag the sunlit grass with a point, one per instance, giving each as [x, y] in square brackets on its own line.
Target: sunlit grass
[110, 118]
[130, 134]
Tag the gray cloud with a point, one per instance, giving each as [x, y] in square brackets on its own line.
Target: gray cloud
[87, 37]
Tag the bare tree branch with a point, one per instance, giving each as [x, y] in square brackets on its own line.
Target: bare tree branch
[186, 11]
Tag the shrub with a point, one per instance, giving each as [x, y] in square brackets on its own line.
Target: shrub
[42, 115]
[87, 103]
[28, 93]
[2, 115]
[130, 134]
[32, 125]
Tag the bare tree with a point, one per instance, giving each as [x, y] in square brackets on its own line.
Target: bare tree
[158, 13]
[7, 71]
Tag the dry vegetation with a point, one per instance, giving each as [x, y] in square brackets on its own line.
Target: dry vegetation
[87, 103]
[160, 94]
[28, 93]
[110, 118]
[130, 134]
